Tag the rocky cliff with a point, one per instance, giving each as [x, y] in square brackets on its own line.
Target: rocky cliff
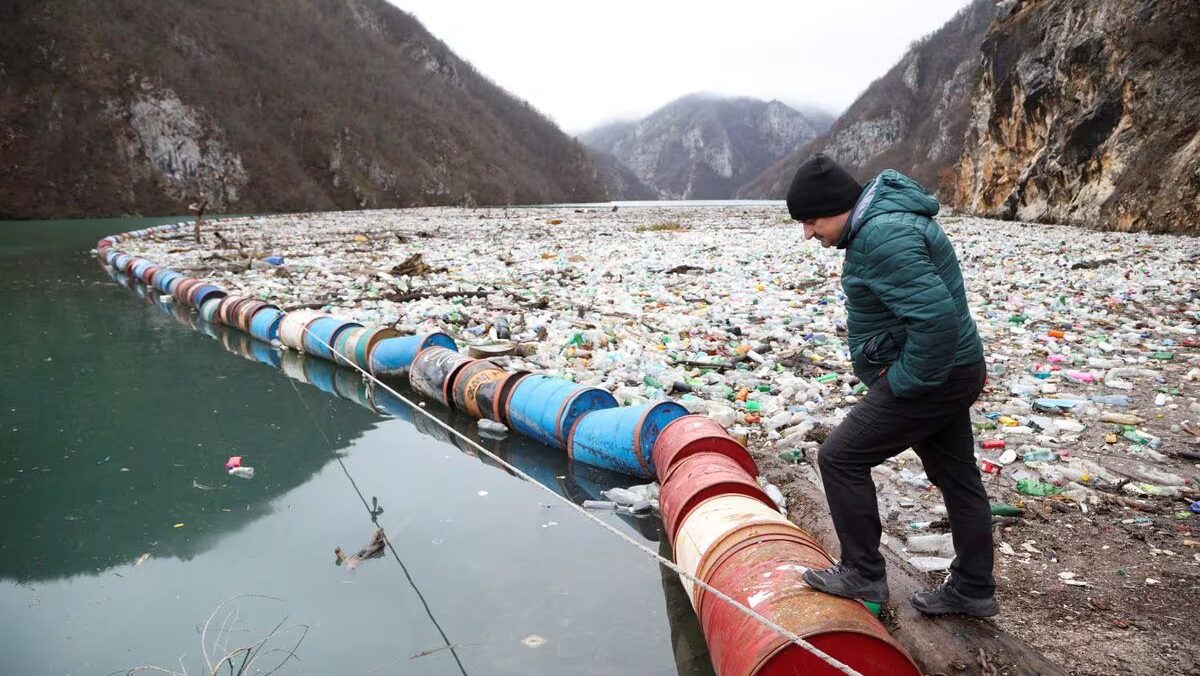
[1087, 112]
[703, 147]
[912, 119]
[126, 107]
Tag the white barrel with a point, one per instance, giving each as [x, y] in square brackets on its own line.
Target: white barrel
[291, 329]
[711, 521]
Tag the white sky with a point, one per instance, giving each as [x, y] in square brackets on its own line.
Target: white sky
[585, 63]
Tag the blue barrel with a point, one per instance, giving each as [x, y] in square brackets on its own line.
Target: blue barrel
[264, 353]
[321, 333]
[110, 255]
[164, 279]
[545, 408]
[205, 292]
[322, 374]
[139, 266]
[622, 439]
[264, 325]
[392, 357]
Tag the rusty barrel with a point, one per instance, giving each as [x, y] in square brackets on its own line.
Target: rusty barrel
[393, 357]
[699, 477]
[697, 434]
[767, 577]
[222, 313]
[433, 371]
[183, 287]
[721, 522]
[291, 329]
[468, 382]
[622, 439]
[545, 408]
[246, 311]
[494, 398]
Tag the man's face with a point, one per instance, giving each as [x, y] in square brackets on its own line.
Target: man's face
[826, 229]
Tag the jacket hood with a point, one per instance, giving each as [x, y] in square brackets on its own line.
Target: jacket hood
[889, 192]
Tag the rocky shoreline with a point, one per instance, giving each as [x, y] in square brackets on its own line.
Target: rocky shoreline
[728, 311]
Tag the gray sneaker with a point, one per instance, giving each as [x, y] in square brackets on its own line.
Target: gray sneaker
[946, 599]
[843, 579]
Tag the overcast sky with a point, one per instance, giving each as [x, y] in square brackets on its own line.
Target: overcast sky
[585, 63]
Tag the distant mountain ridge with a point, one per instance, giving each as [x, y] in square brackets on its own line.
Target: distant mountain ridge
[125, 107]
[702, 146]
[913, 118]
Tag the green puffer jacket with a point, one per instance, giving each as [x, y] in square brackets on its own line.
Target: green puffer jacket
[905, 304]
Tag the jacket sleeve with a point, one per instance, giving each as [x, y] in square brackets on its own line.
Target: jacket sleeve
[902, 276]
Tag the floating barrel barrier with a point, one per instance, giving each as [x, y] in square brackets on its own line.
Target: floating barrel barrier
[545, 408]
[705, 533]
[622, 439]
[321, 333]
[148, 273]
[204, 292]
[768, 576]
[701, 476]
[392, 357]
[165, 279]
[291, 329]
[365, 343]
[697, 434]
[264, 325]
[343, 339]
[495, 398]
[433, 372]
[246, 311]
[464, 390]
[222, 313]
[208, 311]
[181, 286]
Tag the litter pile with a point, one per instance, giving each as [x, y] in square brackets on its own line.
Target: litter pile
[1091, 339]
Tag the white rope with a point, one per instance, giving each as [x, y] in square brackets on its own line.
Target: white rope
[748, 612]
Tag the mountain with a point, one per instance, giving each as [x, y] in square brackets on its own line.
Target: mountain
[129, 106]
[912, 119]
[1086, 112]
[702, 146]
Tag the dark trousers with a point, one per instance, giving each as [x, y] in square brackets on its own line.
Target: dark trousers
[936, 425]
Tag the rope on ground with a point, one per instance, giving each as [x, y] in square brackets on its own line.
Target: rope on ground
[748, 612]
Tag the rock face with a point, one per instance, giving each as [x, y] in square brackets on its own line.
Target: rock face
[703, 147]
[912, 119]
[126, 107]
[1086, 112]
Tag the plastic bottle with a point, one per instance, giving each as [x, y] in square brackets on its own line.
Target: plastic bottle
[1035, 454]
[1121, 400]
[242, 472]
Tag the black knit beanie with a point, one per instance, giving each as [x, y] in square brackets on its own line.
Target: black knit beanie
[821, 187]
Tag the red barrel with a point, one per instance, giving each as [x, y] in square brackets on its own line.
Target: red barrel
[225, 308]
[245, 311]
[433, 372]
[183, 287]
[768, 578]
[701, 476]
[148, 273]
[470, 380]
[692, 434]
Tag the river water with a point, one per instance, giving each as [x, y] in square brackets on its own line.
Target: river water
[122, 533]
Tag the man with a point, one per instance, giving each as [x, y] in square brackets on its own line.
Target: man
[914, 344]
